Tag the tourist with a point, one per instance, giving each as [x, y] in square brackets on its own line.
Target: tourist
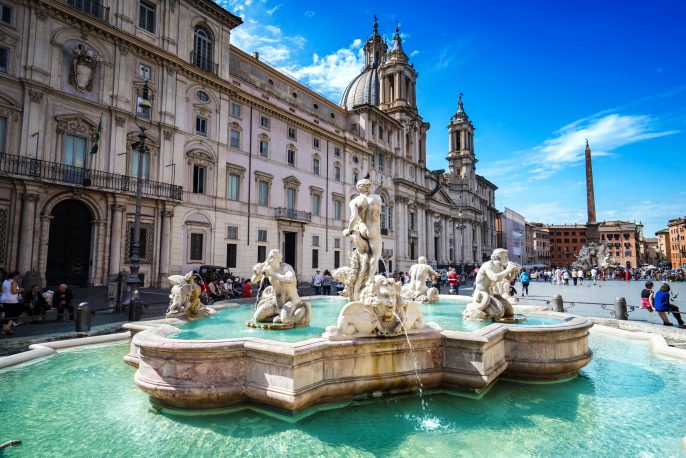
[662, 306]
[317, 281]
[574, 277]
[62, 300]
[580, 275]
[565, 277]
[237, 287]
[524, 278]
[213, 290]
[647, 297]
[10, 302]
[627, 275]
[594, 274]
[36, 304]
[453, 281]
[558, 276]
[327, 280]
[246, 290]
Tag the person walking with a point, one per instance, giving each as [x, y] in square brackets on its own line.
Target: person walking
[594, 274]
[327, 279]
[524, 278]
[580, 275]
[574, 276]
[453, 281]
[317, 281]
[10, 302]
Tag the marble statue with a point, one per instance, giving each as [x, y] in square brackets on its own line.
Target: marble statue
[416, 289]
[594, 255]
[491, 298]
[376, 307]
[184, 298]
[381, 311]
[364, 230]
[279, 302]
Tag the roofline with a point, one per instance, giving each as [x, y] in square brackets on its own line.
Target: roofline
[481, 177]
[219, 12]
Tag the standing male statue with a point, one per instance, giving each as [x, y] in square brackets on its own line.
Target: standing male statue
[364, 230]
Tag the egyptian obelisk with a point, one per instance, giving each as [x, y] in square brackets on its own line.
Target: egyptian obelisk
[592, 233]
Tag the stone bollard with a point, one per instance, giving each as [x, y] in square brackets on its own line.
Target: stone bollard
[83, 317]
[620, 309]
[558, 303]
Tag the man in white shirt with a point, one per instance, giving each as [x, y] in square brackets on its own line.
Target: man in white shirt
[317, 281]
[594, 273]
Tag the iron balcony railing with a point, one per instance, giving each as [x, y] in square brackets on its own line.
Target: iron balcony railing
[295, 215]
[55, 172]
[204, 63]
[92, 8]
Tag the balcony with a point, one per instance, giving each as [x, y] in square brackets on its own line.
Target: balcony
[292, 215]
[203, 63]
[91, 8]
[54, 172]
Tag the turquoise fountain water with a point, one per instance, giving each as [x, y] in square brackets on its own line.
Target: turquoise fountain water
[230, 323]
[626, 402]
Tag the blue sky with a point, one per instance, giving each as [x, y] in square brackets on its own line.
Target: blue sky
[539, 77]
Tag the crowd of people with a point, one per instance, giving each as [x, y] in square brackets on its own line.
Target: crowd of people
[32, 302]
[576, 277]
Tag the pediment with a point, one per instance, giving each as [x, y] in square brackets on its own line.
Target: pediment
[76, 124]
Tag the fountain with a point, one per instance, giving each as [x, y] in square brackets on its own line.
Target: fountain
[593, 256]
[380, 344]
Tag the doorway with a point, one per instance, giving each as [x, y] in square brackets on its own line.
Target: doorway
[290, 248]
[69, 244]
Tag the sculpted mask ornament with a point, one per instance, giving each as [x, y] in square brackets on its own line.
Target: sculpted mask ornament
[83, 69]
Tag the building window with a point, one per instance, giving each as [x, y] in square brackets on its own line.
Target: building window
[264, 148]
[291, 157]
[231, 250]
[143, 112]
[413, 216]
[146, 16]
[201, 126]
[337, 173]
[5, 14]
[315, 240]
[235, 110]
[232, 232]
[75, 151]
[380, 133]
[336, 242]
[315, 143]
[196, 251]
[3, 134]
[315, 259]
[337, 152]
[233, 187]
[145, 71]
[290, 198]
[292, 133]
[261, 235]
[199, 173]
[144, 157]
[373, 161]
[381, 162]
[145, 248]
[384, 213]
[261, 253]
[316, 204]
[315, 165]
[202, 51]
[262, 193]
[202, 96]
[235, 138]
[264, 122]
[337, 210]
[356, 177]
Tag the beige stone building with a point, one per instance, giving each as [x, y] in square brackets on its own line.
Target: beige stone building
[677, 242]
[239, 158]
[540, 241]
[664, 246]
[623, 239]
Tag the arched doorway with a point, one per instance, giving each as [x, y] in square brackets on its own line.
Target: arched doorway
[69, 245]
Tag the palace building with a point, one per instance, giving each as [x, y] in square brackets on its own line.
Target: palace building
[239, 157]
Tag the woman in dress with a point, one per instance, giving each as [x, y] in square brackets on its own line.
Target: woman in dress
[10, 303]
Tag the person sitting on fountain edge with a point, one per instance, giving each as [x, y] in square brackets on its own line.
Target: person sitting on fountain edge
[662, 304]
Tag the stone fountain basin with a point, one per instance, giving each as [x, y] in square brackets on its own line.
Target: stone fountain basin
[211, 374]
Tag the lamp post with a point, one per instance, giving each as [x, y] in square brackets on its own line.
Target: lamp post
[460, 225]
[133, 300]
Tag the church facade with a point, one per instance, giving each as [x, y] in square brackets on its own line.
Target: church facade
[239, 158]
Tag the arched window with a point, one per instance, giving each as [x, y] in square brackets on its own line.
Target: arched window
[202, 50]
[384, 213]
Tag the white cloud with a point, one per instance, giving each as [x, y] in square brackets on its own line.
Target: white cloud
[414, 53]
[309, 13]
[274, 9]
[331, 73]
[268, 40]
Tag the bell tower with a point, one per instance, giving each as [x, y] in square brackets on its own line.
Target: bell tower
[375, 48]
[461, 158]
[398, 78]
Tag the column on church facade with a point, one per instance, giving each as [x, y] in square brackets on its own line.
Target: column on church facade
[97, 274]
[468, 242]
[44, 240]
[421, 232]
[165, 232]
[478, 243]
[115, 238]
[401, 229]
[453, 231]
[429, 228]
[446, 243]
[28, 214]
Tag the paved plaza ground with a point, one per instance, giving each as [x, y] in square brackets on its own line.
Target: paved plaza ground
[157, 301]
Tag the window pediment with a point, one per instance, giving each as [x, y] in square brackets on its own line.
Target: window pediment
[76, 125]
[235, 169]
[200, 156]
[261, 176]
[316, 190]
[291, 182]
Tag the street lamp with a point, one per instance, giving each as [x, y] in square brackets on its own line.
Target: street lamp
[460, 226]
[132, 299]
